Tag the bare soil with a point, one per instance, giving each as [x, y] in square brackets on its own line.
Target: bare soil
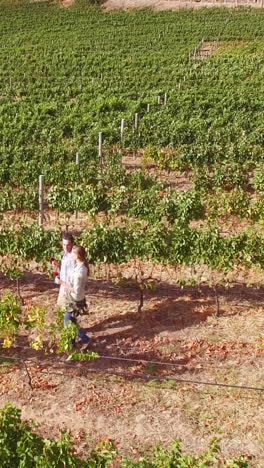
[161, 5]
[66, 3]
[176, 4]
[207, 48]
[181, 337]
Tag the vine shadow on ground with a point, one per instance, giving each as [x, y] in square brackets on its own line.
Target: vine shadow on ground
[167, 311]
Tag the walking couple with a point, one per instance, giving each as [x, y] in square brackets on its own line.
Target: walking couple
[74, 270]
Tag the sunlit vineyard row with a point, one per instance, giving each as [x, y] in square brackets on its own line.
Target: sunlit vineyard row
[68, 74]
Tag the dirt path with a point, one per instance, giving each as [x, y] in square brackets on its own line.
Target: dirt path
[66, 3]
[177, 326]
[177, 4]
[161, 5]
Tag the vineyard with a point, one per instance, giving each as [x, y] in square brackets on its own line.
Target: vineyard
[20, 445]
[146, 131]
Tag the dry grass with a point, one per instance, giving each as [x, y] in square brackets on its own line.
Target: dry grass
[180, 326]
[176, 4]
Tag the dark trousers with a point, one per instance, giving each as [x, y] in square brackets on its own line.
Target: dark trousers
[81, 334]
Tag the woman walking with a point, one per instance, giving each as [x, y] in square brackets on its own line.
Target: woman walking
[76, 303]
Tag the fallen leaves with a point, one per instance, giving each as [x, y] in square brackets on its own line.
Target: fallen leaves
[43, 384]
[221, 350]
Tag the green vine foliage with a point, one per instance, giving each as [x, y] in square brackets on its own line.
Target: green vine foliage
[15, 199]
[10, 318]
[113, 191]
[225, 176]
[205, 122]
[36, 319]
[21, 446]
[29, 242]
[180, 244]
[12, 265]
[52, 337]
[117, 244]
[67, 338]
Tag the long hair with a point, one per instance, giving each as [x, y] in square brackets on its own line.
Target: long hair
[81, 255]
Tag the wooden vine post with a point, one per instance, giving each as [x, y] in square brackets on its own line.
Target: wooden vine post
[136, 122]
[77, 161]
[122, 129]
[100, 149]
[41, 200]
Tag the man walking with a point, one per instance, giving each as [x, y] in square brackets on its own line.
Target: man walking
[66, 267]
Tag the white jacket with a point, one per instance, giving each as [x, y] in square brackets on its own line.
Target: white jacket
[78, 281]
[67, 268]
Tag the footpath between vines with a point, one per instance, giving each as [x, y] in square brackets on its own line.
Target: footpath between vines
[182, 328]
